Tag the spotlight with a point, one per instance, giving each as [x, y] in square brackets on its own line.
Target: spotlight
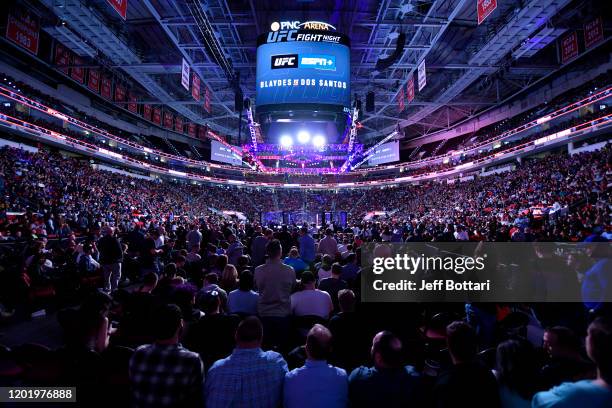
[286, 141]
[318, 141]
[303, 136]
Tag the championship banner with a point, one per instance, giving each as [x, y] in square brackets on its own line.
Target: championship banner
[422, 75]
[106, 87]
[484, 8]
[178, 124]
[157, 116]
[168, 119]
[569, 47]
[207, 98]
[410, 89]
[133, 103]
[120, 6]
[93, 81]
[400, 100]
[146, 112]
[185, 75]
[77, 72]
[195, 86]
[593, 32]
[62, 57]
[202, 130]
[191, 129]
[119, 93]
[23, 29]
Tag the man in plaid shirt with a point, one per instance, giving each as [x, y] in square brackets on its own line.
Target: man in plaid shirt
[249, 377]
[165, 374]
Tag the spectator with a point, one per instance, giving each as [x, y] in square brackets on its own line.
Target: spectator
[229, 278]
[316, 384]
[467, 383]
[328, 245]
[234, 250]
[258, 247]
[517, 373]
[389, 383]
[565, 361]
[294, 261]
[249, 376]
[350, 269]
[165, 374]
[586, 393]
[194, 237]
[111, 257]
[306, 245]
[311, 301]
[243, 301]
[334, 284]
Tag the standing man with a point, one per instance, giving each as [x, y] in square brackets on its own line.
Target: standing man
[328, 245]
[194, 237]
[274, 281]
[258, 247]
[111, 257]
[307, 245]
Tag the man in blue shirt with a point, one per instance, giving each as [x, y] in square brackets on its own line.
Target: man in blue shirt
[586, 393]
[249, 377]
[307, 245]
[316, 384]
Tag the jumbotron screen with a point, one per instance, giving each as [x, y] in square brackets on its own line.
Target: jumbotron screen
[303, 66]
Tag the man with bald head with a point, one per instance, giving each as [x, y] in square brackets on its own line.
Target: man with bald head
[316, 384]
[111, 257]
[389, 383]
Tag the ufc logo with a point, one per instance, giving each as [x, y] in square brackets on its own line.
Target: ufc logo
[284, 61]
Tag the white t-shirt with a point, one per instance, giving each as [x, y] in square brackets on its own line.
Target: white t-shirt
[311, 303]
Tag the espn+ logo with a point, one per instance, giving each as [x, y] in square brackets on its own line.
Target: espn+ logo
[284, 61]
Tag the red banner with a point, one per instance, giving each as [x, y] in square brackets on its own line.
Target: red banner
[23, 29]
[191, 129]
[202, 130]
[168, 119]
[484, 8]
[400, 100]
[146, 112]
[62, 58]
[569, 47]
[178, 124]
[119, 93]
[77, 72]
[120, 6]
[133, 103]
[195, 86]
[410, 89]
[157, 116]
[207, 98]
[593, 32]
[94, 80]
[106, 87]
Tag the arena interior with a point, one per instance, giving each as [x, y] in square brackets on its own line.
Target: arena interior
[305, 203]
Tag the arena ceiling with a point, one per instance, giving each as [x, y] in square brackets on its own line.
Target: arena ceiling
[470, 67]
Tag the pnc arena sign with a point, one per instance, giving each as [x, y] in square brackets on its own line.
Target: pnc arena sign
[297, 31]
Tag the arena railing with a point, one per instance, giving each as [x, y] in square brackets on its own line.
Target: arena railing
[16, 96]
[89, 149]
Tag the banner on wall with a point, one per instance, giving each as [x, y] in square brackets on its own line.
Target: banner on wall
[62, 57]
[77, 72]
[195, 86]
[157, 116]
[569, 47]
[400, 100]
[120, 93]
[93, 81]
[422, 75]
[185, 75]
[106, 87]
[168, 120]
[178, 124]
[202, 131]
[191, 129]
[133, 103]
[23, 29]
[484, 8]
[410, 89]
[120, 7]
[146, 112]
[593, 32]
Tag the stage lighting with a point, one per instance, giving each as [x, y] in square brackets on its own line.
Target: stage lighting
[303, 136]
[318, 141]
[286, 141]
